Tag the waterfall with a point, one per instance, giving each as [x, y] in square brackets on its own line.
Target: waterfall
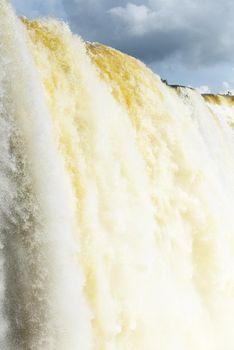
[116, 200]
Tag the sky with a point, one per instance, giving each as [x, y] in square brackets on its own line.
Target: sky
[187, 42]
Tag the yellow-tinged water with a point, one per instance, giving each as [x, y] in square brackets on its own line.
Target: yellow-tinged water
[116, 200]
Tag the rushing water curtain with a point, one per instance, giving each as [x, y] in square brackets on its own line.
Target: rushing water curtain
[116, 200]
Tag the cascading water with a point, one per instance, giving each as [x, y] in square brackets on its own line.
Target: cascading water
[116, 200]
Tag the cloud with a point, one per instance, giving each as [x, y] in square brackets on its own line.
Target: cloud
[137, 18]
[37, 8]
[227, 87]
[204, 89]
[197, 33]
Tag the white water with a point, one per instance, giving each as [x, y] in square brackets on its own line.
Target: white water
[116, 200]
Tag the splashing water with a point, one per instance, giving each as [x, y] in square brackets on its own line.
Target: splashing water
[116, 200]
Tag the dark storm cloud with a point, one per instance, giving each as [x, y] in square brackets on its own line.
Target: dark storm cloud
[199, 32]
